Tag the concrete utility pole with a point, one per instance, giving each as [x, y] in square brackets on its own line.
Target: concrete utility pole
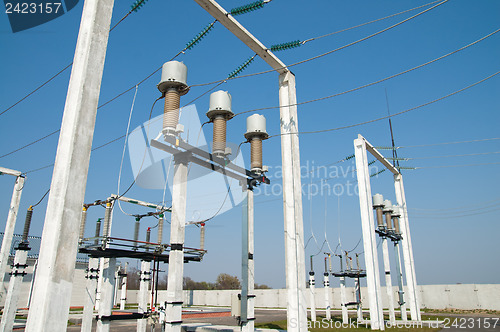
[52, 292]
[411, 279]
[401, 301]
[11, 222]
[90, 294]
[387, 264]
[292, 191]
[292, 205]
[14, 291]
[143, 297]
[368, 229]
[177, 232]
[326, 284]
[107, 294]
[343, 301]
[123, 294]
[248, 267]
[312, 290]
[359, 308]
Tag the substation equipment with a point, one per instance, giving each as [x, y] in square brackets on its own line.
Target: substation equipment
[51, 298]
[174, 76]
[396, 228]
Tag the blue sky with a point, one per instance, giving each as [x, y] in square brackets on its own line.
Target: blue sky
[454, 211]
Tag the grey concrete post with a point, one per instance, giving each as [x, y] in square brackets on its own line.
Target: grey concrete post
[52, 292]
[411, 279]
[123, 294]
[177, 232]
[145, 279]
[388, 281]
[292, 206]
[14, 290]
[9, 229]
[107, 294]
[90, 294]
[248, 282]
[401, 300]
[369, 242]
[343, 301]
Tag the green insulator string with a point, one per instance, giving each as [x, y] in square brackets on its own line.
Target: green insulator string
[286, 46]
[405, 167]
[349, 157]
[137, 5]
[200, 36]
[377, 173]
[241, 68]
[248, 8]
[372, 162]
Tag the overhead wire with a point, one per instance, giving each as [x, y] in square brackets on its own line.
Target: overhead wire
[392, 115]
[375, 82]
[230, 77]
[332, 51]
[68, 66]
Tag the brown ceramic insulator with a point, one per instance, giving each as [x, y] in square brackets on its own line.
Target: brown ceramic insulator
[380, 217]
[388, 219]
[396, 225]
[171, 109]
[256, 153]
[219, 135]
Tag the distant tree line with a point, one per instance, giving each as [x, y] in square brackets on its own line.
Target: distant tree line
[223, 281]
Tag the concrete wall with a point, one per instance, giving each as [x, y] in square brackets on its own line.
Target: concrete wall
[473, 296]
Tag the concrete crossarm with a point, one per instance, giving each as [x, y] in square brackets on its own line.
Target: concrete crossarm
[9, 171]
[227, 20]
[379, 157]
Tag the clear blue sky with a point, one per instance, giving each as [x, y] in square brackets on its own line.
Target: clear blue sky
[454, 211]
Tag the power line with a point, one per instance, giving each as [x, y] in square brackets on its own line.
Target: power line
[448, 156]
[332, 51]
[136, 5]
[376, 82]
[232, 76]
[446, 166]
[392, 115]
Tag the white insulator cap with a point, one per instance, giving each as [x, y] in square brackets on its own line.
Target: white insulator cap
[256, 126]
[378, 200]
[220, 104]
[173, 75]
[396, 211]
[387, 206]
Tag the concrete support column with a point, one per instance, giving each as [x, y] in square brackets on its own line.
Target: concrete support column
[401, 300]
[369, 241]
[107, 294]
[14, 290]
[248, 267]
[312, 297]
[90, 294]
[123, 295]
[292, 206]
[52, 292]
[411, 279]
[326, 284]
[143, 295]
[388, 281]
[359, 310]
[9, 230]
[343, 301]
[177, 232]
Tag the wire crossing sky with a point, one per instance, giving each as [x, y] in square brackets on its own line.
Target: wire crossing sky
[438, 62]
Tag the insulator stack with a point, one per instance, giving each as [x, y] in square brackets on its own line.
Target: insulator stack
[256, 132]
[173, 85]
[107, 219]
[97, 230]
[378, 205]
[82, 223]
[388, 213]
[27, 223]
[202, 236]
[136, 231]
[396, 213]
[148, 237]
[219, 112]
[160, 229]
